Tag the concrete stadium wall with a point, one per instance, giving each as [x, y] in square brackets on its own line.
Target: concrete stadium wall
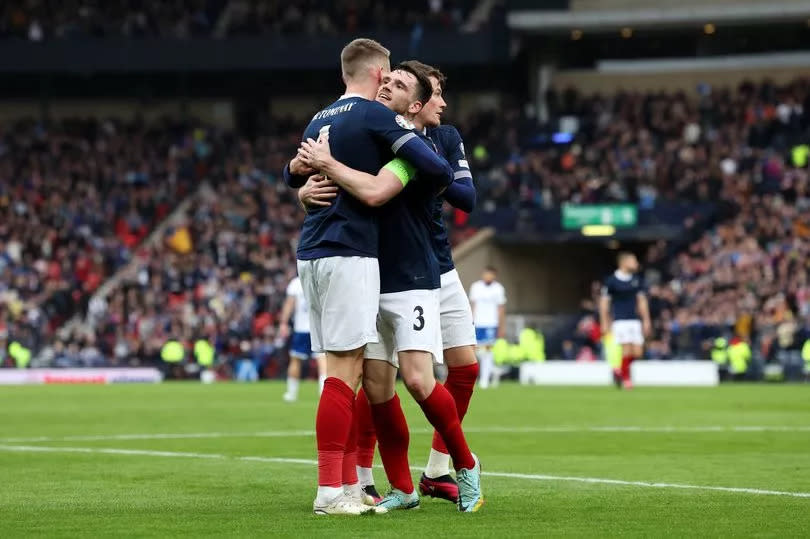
[590, 81]
[218, 112]
[609, 5]
[539, 279]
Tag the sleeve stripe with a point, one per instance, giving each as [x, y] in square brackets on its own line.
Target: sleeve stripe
[400, 142]
[462, 174]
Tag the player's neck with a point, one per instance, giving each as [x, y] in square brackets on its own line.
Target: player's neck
[366, 89]
[417, 123]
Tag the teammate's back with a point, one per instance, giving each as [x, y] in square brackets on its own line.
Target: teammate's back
[347, 227]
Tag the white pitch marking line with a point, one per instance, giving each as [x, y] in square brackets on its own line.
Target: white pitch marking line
[309, 462]
[475, 430]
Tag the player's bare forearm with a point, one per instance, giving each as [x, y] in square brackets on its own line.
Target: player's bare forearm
[371, 190]
[501, 322]
[604, 309]
[644, 312]
[286, 311]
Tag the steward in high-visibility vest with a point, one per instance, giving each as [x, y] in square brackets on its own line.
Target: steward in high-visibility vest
[501, 352]
[806, 356]
[720, 356]
[533, 345]
[516, 354]
[20, 354]
[204, 353]
[612, 350]
[172, 351]
[739, 354]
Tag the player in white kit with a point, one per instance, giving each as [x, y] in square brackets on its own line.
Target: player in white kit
[488, 302]
[301, 343]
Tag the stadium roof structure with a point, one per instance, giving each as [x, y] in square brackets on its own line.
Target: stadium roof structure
[544, 21]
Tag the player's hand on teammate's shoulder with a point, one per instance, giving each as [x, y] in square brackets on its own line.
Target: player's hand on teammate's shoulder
[316, 153]
[299, 168]
[317, 192]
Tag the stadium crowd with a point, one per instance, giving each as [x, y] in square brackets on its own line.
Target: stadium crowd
[75, 198]
[39, 20]
[745, 277]
[79, 199]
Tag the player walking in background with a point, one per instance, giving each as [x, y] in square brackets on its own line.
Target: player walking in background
[488, 302]
[623, 308]
[301, 344]
[337, 260]
[409, 320]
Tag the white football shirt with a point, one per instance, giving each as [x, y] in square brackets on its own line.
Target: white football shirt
[301, 312]
[486, 299]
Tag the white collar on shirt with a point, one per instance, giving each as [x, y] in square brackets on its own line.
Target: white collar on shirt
[347, 96]
[622, 276]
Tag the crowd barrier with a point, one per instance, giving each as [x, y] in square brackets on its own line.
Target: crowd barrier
[79, 376]
[599, 373]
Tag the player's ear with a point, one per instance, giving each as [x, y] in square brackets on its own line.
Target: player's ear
[415, 107]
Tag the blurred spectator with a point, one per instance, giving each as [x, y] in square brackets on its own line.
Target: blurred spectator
[37, 19]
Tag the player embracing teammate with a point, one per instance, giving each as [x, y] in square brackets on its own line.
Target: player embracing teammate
[338, 268]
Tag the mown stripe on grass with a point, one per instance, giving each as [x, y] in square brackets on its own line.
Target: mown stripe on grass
[309, 462]
[475, 430]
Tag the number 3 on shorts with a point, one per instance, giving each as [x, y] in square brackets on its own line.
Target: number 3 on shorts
[419, 325]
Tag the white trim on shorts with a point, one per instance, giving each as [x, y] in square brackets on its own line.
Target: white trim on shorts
[343, 293]
[455, 311]
[408, 320]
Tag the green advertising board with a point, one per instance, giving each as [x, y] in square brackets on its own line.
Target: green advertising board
[576, 216]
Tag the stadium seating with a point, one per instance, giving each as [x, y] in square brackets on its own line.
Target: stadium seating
[730, 147]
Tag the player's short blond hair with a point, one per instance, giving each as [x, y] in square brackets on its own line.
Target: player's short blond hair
[360, 53]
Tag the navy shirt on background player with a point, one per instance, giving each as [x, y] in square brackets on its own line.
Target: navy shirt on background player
[461, 193]
[407, 254]
[364, 135]
[623, 293]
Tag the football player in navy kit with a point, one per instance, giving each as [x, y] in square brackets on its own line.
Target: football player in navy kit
[337, 259]
[624, 312]
[409, 321]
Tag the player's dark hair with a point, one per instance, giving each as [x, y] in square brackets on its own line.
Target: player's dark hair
[423, 87]
[430, 71]
[491, 268]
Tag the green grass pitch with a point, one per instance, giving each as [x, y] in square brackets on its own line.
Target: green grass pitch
[89, 461]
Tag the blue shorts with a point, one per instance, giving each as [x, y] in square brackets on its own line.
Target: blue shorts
[486, 336]
[301, 346]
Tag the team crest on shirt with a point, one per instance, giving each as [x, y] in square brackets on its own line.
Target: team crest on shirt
[403, 123]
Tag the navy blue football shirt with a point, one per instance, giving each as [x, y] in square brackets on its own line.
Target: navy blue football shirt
[364, 135]
[451, 147]
[407, 253]
[623, 295]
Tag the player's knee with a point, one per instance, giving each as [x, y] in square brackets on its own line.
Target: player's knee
[418, 385]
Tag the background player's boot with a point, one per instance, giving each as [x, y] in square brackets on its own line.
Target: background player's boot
[371, 491]
[343, 505]
[396, 499]
[470, 498]
[444, 487]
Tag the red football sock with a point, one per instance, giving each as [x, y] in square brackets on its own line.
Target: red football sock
[393, 437]
[460, 383]
[366, 435]
[350, 453]
[625, 370]
[332, 424]
[440, 410]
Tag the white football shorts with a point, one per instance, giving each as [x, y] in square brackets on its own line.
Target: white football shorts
[408, 320]
[627, 332]
[456, 314]
[343, 293]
